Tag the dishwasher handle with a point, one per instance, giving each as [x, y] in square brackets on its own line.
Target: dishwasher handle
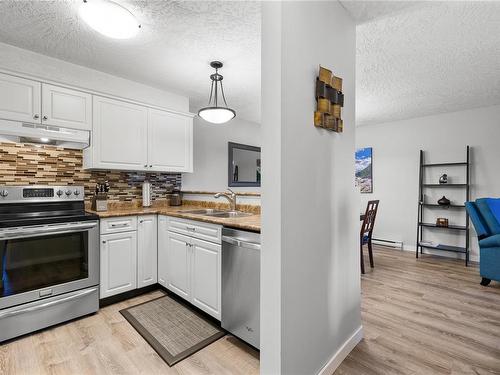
[241, 243]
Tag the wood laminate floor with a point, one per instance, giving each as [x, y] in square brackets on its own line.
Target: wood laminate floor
[426, 316]
[105, 343]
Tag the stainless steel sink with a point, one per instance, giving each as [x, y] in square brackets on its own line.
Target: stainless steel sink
[207, 211]
[216, 213]
[231, 214]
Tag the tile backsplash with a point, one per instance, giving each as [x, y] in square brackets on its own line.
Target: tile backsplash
[26, 164]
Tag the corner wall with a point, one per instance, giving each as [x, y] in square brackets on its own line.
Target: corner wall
[443, 137]
[211, 152]
[310, 282]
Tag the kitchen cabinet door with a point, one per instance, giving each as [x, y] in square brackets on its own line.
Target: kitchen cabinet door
[118, 263]
[66, 108]
[162, 250]
[147, 245]
[20, 99]
[179, 264]
[119, 137]
[206, 277]
[170, 145]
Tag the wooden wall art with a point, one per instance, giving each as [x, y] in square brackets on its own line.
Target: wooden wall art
[330, 100]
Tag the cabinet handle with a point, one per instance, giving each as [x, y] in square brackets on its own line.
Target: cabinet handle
[36, 117]
[44, 118]
[141, 221]
[145, 165]
[119, 225]
[150, 166]
[103, 241]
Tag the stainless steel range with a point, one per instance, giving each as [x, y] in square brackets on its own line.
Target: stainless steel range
[49, 259]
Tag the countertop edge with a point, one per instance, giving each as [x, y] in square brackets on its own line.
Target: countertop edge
[202, 192]
[236, 223]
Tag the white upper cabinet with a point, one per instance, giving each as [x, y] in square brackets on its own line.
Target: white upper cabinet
[170, 142]
[66, 108]
[119, 136]
[134, 137]
[124, 135]
[20, 99]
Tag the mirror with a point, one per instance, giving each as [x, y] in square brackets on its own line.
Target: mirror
[243, 165]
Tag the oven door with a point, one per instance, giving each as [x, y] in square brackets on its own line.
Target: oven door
[46, 260]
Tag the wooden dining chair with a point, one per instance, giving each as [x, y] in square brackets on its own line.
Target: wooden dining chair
[365, 236]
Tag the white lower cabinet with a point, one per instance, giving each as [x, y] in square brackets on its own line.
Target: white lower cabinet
[179, 264]
[162, 250]
[118, 263]
[129, 253]
[147, 251]
[189, 266]
[206, 276]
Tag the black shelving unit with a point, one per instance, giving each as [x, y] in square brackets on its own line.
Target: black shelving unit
[422, 205]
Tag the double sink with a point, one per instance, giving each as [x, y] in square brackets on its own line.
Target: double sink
[217, 213]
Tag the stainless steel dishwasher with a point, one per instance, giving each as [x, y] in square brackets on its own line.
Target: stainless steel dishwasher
[241, 284]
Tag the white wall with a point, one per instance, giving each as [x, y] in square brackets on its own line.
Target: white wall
[21, 61]
[443, 137]
[210, 153]
[310, 282]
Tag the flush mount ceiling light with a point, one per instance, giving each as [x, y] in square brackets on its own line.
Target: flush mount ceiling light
[213, 112]
[109, 18]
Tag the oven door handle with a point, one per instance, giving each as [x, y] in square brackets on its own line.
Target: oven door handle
[47, 304]
[45, 230]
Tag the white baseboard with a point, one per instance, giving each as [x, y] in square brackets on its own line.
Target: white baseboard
[473, 256]
[342, 353]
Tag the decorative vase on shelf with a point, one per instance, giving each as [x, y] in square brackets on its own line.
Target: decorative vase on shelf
[441, 222]
[443, 179]
[444, 201]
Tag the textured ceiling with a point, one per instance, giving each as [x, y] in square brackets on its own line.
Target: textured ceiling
[364, 11]
[427, 58]
[172, 51]
[413, 58]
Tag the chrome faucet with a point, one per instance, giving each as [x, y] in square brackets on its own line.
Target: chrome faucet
[231, 197]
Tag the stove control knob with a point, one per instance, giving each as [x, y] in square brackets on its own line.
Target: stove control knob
[68, 192]
[59, 193]
[4, 193]
[77, 192]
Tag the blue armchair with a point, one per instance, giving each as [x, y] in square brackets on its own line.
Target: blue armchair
[485, 215]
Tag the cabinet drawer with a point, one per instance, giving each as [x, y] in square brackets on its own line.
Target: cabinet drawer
[196, 229]
[118, 224]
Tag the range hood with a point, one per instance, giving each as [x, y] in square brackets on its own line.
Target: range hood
[25, 132]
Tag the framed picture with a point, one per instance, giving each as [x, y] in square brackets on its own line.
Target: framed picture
[364, 170]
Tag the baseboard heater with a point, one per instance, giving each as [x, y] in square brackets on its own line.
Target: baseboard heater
[388, 243]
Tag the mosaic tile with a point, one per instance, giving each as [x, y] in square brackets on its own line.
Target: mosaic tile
[26, 164]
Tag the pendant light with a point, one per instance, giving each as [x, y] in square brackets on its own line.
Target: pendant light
[213, 112]
[109, 18]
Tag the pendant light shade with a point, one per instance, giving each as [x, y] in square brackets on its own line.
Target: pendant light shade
[214, 113]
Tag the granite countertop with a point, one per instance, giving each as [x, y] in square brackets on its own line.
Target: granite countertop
[250, 223]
